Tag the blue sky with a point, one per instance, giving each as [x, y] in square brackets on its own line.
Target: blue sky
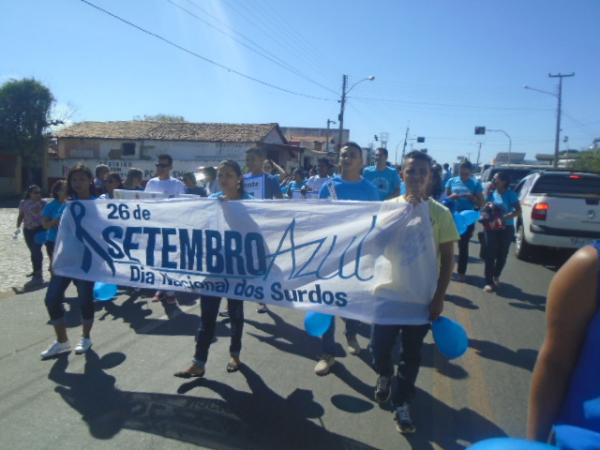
[441, 66]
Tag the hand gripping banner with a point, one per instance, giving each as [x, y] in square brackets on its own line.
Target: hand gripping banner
[370, 261]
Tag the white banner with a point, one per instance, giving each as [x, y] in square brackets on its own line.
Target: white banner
[370, 261]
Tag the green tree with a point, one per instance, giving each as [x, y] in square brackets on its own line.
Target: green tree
[587, 161]
[24, 117]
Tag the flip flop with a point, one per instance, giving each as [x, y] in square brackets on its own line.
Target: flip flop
[232, 367]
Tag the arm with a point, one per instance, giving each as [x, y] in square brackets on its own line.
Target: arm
[446, 267]
[571, 305]
[515, 213]
[19, 219]
[279, 169]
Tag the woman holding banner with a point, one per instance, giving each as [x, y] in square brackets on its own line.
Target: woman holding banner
[230, 179]
[80, 186]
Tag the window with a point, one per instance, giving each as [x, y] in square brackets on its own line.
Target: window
[128, 149]
[567, 184]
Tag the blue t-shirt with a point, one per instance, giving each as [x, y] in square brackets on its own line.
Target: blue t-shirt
[53, 211]
[506, 202]
[350, 190]
[386, 181]
[245, 196]
[294, 186]
[470, 187]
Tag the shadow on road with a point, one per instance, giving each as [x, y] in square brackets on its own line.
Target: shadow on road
[238, 421]
[528, 301]
[523, 358]
[461, 301]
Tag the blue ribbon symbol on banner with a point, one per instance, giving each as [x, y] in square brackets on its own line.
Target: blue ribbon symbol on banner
[78, 213]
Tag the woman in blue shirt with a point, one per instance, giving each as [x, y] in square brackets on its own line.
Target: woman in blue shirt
[466, 192]
[52, 213]
[501, 209]
[231, 181]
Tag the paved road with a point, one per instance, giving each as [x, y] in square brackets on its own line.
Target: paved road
[123, 395]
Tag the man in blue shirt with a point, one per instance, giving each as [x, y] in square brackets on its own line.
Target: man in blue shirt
[467, 194]
[350, 185]
[384, 177]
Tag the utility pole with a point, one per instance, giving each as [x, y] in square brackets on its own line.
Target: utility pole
[329, 122]
[341, 115]
[560, 77]
[404, 145]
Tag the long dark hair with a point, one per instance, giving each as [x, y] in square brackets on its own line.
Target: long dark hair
[29, 190]
[87, 172]
[238, 171]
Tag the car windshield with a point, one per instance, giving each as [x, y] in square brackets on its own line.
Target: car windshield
[557, 184]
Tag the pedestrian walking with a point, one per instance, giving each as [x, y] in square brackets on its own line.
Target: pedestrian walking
[417, 178]
[466, 192]
[384, 177]
[315, 182]
[350, 185]
[230, 179]
[51, 215]
[164, 183]
[565, 392]
[499, 215]
[30, 217]
[80, 186]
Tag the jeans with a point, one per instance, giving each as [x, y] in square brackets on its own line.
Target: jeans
[382, 343]
[35, 249]
[209, 307]
[328, 339]
[50, 249]
[56, 294]
[497, 243]
[463, 249]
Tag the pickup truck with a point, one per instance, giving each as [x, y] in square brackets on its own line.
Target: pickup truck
[560, 209]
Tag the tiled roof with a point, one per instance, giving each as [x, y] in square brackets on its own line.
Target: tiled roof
[168, 131]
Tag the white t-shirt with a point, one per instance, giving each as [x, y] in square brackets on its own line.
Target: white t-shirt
[172, 186]
[314, 184]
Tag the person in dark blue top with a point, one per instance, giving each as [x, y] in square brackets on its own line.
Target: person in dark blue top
[191, 185]
[230, 179]
[350, 185]
[565, 392]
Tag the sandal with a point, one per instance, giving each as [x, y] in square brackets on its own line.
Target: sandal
[157, 297]
[233, 366]
[192, 372]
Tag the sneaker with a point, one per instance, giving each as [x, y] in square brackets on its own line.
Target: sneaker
[353, 345]
[224, 314]
[56, 349]
[324, 365]
[404, 423]
[488, 288]
[84, 345]
[383, 389]
[262, 308]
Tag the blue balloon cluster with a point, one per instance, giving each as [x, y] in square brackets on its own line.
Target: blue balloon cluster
[316, 324]
[465, 219]
[450, 337]
[104, 291]
[40, 237]
[510, 444]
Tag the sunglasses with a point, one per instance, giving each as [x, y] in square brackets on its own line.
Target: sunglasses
[162, 166]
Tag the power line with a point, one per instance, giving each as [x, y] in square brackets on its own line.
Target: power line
[258, 50]
[201, 57]
[450, 105]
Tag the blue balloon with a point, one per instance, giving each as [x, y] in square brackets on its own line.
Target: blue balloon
[450, 337]
[461, 223]
[317, 324]
[510, 444]
[104, 291]
[449, 203]
[40, 237]
[470, 216]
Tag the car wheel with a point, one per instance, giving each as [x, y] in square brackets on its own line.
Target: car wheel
[523, 250]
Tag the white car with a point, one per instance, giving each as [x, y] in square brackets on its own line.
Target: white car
[560, 209]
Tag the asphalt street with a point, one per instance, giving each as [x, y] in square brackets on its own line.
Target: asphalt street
[122, 394]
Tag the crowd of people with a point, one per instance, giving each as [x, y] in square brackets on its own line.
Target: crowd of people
[419, 179]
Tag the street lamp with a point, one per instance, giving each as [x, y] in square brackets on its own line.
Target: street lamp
[558, 95]
[343, 104]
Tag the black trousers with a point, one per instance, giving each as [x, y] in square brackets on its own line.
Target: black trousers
[463, 249]
[497, 243]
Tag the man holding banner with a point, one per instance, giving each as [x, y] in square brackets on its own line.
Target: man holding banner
[416, 171]
[350, 185]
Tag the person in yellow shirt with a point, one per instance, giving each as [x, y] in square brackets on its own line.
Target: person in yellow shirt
[416, 171]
